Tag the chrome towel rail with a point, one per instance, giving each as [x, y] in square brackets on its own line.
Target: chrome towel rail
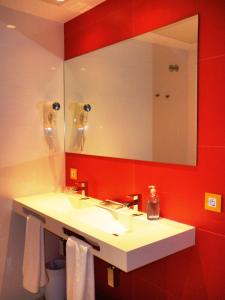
[81, 237]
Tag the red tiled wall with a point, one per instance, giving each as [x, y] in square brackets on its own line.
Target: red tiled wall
[197, 273]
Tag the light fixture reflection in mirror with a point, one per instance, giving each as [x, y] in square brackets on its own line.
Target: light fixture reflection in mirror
[80, 112]
[143, 92]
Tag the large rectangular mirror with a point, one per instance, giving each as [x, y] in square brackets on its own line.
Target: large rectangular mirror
[136, 99]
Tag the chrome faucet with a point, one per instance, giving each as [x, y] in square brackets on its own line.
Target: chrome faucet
[133, 199]
[82, 187]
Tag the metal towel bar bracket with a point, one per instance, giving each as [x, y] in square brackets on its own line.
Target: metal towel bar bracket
[77, 235]
[29, 212]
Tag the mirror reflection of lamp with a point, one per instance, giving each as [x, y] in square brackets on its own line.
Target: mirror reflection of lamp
[80, 120]
[49, 123]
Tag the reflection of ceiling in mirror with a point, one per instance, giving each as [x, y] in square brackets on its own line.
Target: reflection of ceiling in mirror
[184, 31]
[182, 34]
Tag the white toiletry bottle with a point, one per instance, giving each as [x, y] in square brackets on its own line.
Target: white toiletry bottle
[153, 207]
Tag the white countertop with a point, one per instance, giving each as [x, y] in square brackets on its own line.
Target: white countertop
[143, 242]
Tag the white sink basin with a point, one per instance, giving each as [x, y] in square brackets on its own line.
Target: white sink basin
[90, 212]
[114, 221]
[76, 202]
[103, 219]
[123, 239]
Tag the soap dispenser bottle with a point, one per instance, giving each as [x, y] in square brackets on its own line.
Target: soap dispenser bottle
[153, 207]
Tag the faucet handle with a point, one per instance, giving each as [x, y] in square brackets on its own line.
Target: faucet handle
[81, 186]
[133, 199]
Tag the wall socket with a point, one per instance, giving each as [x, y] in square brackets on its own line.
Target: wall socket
[73, 173]
[213, 202]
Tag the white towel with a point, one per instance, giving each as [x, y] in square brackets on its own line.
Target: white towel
[34, 274]
[79, 270]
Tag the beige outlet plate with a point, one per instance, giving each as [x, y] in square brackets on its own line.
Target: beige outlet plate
[73, 173]
[213, 202]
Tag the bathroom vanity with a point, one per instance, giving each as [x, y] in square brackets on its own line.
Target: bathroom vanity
[120, 236]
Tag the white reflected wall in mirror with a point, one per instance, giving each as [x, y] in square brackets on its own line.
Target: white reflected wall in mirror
[136, 99]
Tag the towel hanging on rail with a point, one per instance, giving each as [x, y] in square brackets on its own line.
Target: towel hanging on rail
[79, 270]
[34, 274]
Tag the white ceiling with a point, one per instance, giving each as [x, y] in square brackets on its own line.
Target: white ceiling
[51, 9]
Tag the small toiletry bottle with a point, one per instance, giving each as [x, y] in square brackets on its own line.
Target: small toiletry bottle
[153, 204]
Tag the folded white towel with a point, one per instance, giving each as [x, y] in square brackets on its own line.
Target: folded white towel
[34, 274]
[79, 270]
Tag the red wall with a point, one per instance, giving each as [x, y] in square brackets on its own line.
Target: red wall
[197, 273]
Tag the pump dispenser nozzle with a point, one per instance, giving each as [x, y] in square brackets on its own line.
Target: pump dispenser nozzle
[153, 204]
[152, 190]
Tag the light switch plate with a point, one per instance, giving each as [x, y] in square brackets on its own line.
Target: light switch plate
[73, 173]
[213, 202]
